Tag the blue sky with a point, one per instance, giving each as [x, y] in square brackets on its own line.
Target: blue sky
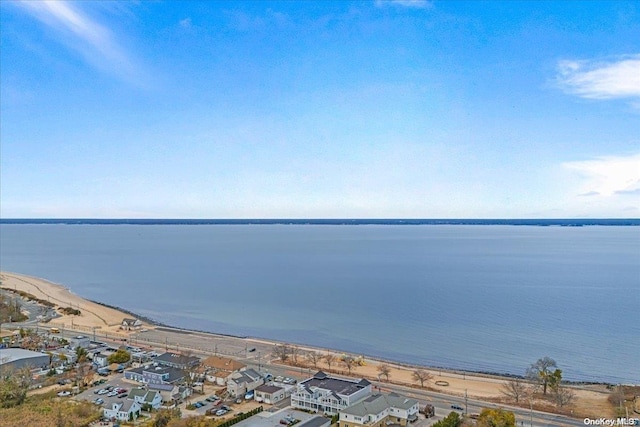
[398, 109]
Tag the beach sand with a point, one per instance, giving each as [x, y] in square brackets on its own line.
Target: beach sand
[589, 401]
[91, 316]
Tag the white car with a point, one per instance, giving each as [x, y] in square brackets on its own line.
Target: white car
[102, 391]
[112, 393]
[64, 393]
[221, 412]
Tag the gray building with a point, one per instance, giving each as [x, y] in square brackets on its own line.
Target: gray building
[155, 374]
[16, 358]
[79, 341]
[329, 395]
[177, 360]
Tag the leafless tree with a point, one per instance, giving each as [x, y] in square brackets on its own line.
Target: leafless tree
[330, 358]
[314, 358]
[295, 353]
[514, 389]
[563, 396]
[282, 351]
[422, 376]
[384, 370]
[350, 363]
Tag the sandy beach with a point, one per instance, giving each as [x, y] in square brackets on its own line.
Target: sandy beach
[105, 319]
[91, 316]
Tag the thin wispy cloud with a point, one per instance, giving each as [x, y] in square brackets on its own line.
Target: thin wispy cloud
[608, 176]
[94, 41]
[594, 79]
[412, 4]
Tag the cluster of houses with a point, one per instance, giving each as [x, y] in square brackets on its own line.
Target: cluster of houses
[352, 399]
[168, 379]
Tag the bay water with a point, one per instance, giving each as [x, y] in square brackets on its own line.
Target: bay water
[490, 298]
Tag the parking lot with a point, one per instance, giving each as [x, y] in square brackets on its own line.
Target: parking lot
[116, 381]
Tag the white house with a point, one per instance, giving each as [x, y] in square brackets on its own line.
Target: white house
[146, 397]
[329, 395]
[130, 324]
[123, 411]
[100, 360]
[242, 382]
[270, 394]
[170, 393]
[380, 410]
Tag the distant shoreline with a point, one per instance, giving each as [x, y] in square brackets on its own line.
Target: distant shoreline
[547, 222]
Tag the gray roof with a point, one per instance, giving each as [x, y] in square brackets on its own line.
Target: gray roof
[139, 392]
[126, 406]
[247, 376]
[12, 354]
[378, 403]
[338, 386]
[401, 402]
[317, 422]
[150, 396]
[177, 359]
[268, 388]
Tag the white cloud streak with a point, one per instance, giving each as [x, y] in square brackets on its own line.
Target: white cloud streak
[92, 40]
[412, 4]
[601, 79]
[608, 176]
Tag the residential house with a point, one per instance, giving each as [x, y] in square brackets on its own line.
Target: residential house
[171, 394]
[79, 341]
[380, 410]
[177, 360]
[130, 324]
[270, 394]
[100, 360]
[242, 382]
[146, 397]
[219, 369]
[151, 374]
[328, 395]
[123, 411]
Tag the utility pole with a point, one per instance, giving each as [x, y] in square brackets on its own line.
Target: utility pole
[466, 402]
[530, 413]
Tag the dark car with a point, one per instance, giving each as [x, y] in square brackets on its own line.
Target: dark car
[457, 407]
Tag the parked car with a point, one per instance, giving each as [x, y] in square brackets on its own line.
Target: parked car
[103, 391]
[98, 401]
[64, 393]
[248, 395]
[221, 412]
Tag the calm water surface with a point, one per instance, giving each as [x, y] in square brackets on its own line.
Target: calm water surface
[489, 298]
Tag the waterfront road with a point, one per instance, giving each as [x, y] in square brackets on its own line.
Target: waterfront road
[258, 354]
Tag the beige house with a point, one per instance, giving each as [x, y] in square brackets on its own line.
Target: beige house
[218, 370]
[242, 382]
[380, 410]
[270, 394]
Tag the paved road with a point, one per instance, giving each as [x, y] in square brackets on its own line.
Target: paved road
[203, 344]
